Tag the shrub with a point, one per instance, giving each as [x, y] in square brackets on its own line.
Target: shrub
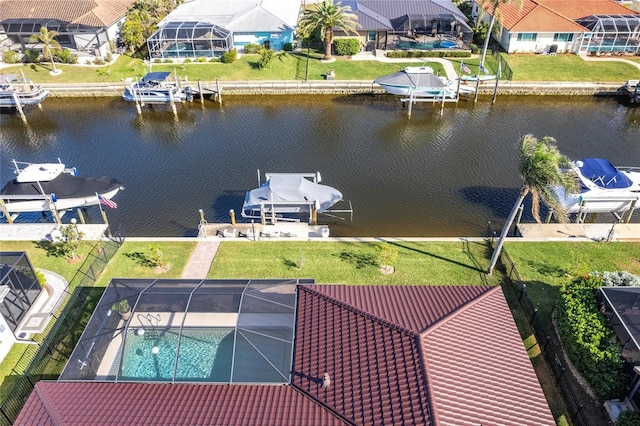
[429, 54]
[287, 47]
[346, 46]
[387, 254]
[168, 61]
[187, 61]
[588, 338]
[98, 61]
[201, 59]
[618, 279]
[265, 57]
[628, 418]
[230, 57]
[252, 48]
[157, 61]
[474, 49]
[65, 56]
[31, 56]
[10, 57]
[41, 278]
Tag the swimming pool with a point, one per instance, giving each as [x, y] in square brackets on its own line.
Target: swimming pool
[205, 355]
[427, 45]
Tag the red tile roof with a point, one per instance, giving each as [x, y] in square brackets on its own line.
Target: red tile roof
[553, 15]
[423, 355]
[97, 13]
[100, 403]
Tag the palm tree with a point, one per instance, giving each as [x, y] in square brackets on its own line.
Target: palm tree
[495, 16]
[326, 16]
[47, 38]
[542, 167]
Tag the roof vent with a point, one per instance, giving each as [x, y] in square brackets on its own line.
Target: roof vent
[326, 380]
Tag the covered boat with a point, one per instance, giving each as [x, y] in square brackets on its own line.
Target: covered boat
[420, 81]
[156, 88]
[16, 91]
[289, 196]
[604, 188]
[53, 187]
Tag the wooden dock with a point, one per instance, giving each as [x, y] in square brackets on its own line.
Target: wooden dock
[623, 232]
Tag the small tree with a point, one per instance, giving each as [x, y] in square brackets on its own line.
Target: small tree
[156, 258]
[49, 43]
[325, 16]
[265, 57]
[71, 237]
[387, 256]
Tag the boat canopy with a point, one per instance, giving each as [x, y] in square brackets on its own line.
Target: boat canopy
[603, 173]
[158, 76]
[412, 77]
[293, 191]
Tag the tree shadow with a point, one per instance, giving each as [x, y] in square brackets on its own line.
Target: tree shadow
[359, 260]
[141, 259]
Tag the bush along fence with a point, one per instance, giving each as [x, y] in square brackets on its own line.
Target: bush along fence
[57, 341]
[549, 343]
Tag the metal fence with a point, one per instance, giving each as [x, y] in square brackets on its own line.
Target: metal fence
[549, 345]
[506, 73]
[58, 339]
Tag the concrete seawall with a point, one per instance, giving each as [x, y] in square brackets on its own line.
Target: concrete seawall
[293, 87]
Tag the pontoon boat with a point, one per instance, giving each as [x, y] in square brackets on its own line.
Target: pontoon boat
[15, 90]
[156, 88]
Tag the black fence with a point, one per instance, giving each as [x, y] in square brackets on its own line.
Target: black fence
[549, 345]
[58, 339]
[505, 70]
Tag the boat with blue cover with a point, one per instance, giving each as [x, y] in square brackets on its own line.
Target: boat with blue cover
[604, 188]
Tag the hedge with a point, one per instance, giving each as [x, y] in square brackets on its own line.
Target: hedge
[588, 338]
[428, 54]
[346, 46]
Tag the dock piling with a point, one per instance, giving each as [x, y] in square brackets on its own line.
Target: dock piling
[200, 91]
[19, 107]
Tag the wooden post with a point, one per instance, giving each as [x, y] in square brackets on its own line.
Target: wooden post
[263, 219]
[520, 210]
[458, 91]
[200, 91]
[219, 92]
[232, 214]
[104, 217]
[549, 215]
[475, 96]
[442, 106]
[81, 216]
[495, 90]
[173, 105]
[201, 214]
[631, 209]
[19, 107]
[314, 213]
[410, 103]
[3, 206]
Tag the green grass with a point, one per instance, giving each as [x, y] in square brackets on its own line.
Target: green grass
[41, 256]
[419, 263]
[284, 66]
[544, 266]
[9, 370]
[129, 261]
[292, 66]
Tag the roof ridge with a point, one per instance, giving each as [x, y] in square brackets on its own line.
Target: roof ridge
[323, 405]
[364, 313]
[51, 411]
[463, 308]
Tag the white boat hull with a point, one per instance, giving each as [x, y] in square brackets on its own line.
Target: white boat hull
[42, 205]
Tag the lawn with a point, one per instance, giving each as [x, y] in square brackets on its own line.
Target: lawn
[544, 266]
[293, 66]
[418, 263]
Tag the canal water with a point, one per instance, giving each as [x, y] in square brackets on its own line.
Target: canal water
[429, 175]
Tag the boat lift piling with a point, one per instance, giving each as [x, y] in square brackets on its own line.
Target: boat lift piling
[218, 92]
[81, 216]
[19, 107]
[200, 92]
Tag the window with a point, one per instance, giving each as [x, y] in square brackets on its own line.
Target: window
[563, 37]
[527, 36]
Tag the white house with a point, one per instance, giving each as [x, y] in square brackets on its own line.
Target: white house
[577, 26]
[208, 28]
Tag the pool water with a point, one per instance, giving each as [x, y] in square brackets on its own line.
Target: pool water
[205, 355]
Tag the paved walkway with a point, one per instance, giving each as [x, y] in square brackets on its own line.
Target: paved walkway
[200, 261]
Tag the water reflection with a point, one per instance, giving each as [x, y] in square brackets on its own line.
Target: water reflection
[429, 175]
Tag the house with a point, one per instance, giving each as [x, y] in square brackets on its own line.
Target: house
[409, 24]
[557, 26]
[296, 353]
[83, 25]
[26, 304]
[208, 28]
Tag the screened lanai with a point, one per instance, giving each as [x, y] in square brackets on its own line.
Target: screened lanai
[610, 34]
[182, 40]
[212, 331]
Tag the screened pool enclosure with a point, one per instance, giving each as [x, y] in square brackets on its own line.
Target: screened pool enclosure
[211, 331]
[189, 40]
[610, 34]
